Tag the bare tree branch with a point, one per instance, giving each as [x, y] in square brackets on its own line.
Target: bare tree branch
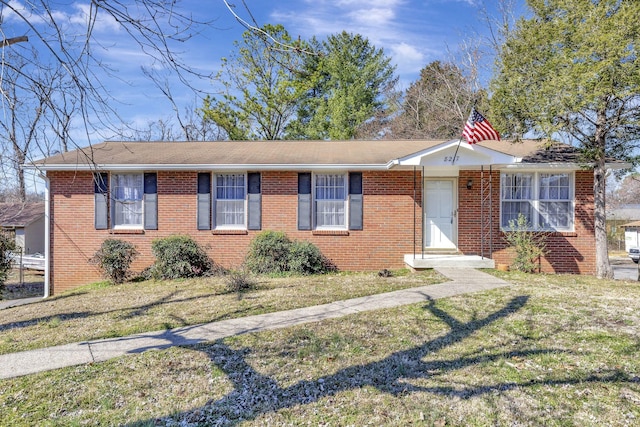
[13, 40]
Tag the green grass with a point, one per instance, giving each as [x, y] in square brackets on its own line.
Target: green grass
[101, 310]
[549, 350]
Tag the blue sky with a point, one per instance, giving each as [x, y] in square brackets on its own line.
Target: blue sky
[412, 32]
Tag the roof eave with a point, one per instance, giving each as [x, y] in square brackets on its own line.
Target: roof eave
[564, 165]
[205, 167]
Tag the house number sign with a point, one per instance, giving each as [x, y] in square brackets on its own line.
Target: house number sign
[449, 159]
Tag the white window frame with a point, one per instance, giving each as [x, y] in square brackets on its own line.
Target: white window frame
[121, 202]
[344, 201]
[536, 223]
[215, 199]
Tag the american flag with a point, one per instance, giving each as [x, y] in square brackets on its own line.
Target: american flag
[478, 128]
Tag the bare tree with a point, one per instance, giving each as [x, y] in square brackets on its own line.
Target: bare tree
[627, 192]
[26, 99]
[69, 41]
[191, 126]
[437, 105]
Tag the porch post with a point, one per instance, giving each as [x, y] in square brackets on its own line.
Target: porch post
[414, 212]
[422, 214]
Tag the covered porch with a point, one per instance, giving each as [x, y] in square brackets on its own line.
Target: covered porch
[453, 181]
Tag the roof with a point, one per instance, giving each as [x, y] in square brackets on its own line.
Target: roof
[20, 214]
[632, 224]
[629, 213]
[279, 154]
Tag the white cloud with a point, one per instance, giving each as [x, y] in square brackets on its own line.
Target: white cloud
[103, 22]
[78, 15]
[15, 11]
[394, 25]
[373, 17]
[409, 56]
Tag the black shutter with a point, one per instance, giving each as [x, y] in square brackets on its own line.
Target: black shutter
[151, 201]
[304, 201]
[101, 200]
[204, 201]
[254, 202]
[355, 201]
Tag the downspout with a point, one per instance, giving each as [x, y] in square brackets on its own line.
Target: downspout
[415, 202]
[422, 211]
[47, 235]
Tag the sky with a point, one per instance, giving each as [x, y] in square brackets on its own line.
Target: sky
[412, 32]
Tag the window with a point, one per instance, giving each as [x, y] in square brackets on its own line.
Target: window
[230, 191]
[555, 201]
[330, 200]
[517, 197]
[127, 193]
[545, 199]
[126, 201]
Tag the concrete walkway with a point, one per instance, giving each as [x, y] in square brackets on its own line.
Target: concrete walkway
[8, 303]
[463, 280]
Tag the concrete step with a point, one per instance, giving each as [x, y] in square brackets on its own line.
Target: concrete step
[419, 261]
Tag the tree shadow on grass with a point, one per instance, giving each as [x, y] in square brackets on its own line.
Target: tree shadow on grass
[255, 394]
[126, 313]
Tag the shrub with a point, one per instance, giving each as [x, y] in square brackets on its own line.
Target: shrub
[114, 259]
[272, 252]
[385, 273]
[269, 253]
[179, 256]
[7, 244]
[528, 245]
[306, 258]
[240, 280]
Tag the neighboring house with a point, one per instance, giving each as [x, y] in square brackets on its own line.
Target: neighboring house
[367, 205]
[631, 235]
[617, 219]
[26, 221]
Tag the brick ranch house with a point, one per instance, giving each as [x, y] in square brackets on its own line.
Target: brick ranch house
[367, 205]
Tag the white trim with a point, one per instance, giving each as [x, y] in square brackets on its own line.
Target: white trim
[214, 167]
[394, 163]
[537, 167]
[442, 156]
[214, 200]
[114, 204]
[535, 200]
[314, 219]
[454, 205]
[47, 236]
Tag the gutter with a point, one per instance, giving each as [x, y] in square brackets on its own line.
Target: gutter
[206, 167]
[47, 236]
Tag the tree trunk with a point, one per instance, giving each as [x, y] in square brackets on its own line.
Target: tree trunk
[22, 185]
[603, 268]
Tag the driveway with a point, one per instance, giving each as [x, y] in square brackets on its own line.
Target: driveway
[624, 268]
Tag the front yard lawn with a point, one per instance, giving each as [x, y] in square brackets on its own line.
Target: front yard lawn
[107, 311]
[550, 350]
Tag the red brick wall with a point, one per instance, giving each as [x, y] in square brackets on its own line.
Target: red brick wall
[391, 202]
[387, 235]
[567, 252]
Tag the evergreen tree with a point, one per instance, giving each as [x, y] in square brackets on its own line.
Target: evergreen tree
[340, 88]
[259, 96]
[572, 69]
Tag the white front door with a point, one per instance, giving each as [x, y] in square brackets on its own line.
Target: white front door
[440, 207]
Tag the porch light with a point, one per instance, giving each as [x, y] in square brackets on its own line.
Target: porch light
[469, 184]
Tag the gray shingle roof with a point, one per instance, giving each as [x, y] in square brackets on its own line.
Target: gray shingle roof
[281, 153]
[20, 214]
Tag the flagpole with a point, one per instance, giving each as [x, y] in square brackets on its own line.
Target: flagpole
[476, 129]
[462, 134]
[453, 160]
